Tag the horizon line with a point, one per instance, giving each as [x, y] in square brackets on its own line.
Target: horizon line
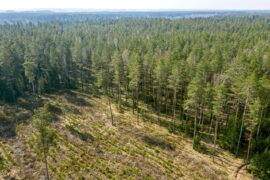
[120, 10]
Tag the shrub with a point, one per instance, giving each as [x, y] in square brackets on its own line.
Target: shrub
[197, 142]
[260, 165]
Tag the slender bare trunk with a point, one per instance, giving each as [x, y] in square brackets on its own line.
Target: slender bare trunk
[201, 113]
[46, 166]
[110, 107]
[174, 106]
[215, 139]
[145, 88]
[242, 125]
[181, 109]
[81, 76]
[154, 97]
[112, 91]
[137, 104]
[211, 124]
[127, 94]
[119, 96]
[133, 102]
[260, 121]
[195, 125]
[33, 87]
[227, 121]
[249, 144]
[237, 111]
[166, 101]
[158, 104]
[202, 122]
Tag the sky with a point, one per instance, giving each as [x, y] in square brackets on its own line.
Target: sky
[135, 4]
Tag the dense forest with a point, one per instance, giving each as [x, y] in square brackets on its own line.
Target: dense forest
[210, 75]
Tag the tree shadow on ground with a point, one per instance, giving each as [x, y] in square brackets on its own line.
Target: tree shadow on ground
[203, 149]
[151, 141]
[72, 110]
[81, 135]
[179, 130]
[164, 123]
[74, 99]
[30, 102]
[7, 129]
[9, 119]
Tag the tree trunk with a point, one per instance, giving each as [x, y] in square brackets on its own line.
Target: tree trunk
[158, 104]
[127, 94]
[242, 126]
[201, 113]
[215, 139]
[227, 121]
[110, 107]
[202, 120]
[195, 125]
[174, 104]
[249, 143]
[166, 101]
[119, 96]
[33, 87]
[133, 102]
[155, 98]
[237, 111]
[211, 124]
[112, 91]
[81, 76]
[260, 121]
[183, 116]
[46, 166]
[137, 104]
[145, 89]
[181, 109]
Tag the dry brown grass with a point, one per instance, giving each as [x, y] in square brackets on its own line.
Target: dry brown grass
[129, 150]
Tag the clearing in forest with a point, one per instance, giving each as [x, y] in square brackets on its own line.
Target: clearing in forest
[89, 147]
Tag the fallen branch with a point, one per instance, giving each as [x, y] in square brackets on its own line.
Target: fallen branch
[239, 168]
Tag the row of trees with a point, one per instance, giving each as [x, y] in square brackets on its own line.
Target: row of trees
[210, 74]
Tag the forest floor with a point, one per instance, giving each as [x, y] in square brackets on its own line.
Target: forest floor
[89, 147]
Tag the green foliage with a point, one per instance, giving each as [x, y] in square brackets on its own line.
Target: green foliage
[229, 138]
[30, 70]
[2, 163]
[261, 165]
[134, 71]
[195, 67]
[197, 143]
[45, 137]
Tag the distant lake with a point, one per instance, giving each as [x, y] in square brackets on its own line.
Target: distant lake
[34, 17]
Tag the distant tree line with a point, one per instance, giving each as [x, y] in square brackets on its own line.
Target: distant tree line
[211, 75]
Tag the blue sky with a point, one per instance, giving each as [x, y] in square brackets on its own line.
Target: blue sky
[134, 4]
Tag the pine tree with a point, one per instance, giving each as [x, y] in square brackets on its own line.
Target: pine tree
[160, 82]
[218, 106]
[195, 94]
[135, 79]
[176, 83]
[252, 121]
[45, 137]
[248, 88]
[118, 70]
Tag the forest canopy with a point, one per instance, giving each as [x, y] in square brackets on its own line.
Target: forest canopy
[212, 74]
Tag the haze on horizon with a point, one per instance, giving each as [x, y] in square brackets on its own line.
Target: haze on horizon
[136, 5]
